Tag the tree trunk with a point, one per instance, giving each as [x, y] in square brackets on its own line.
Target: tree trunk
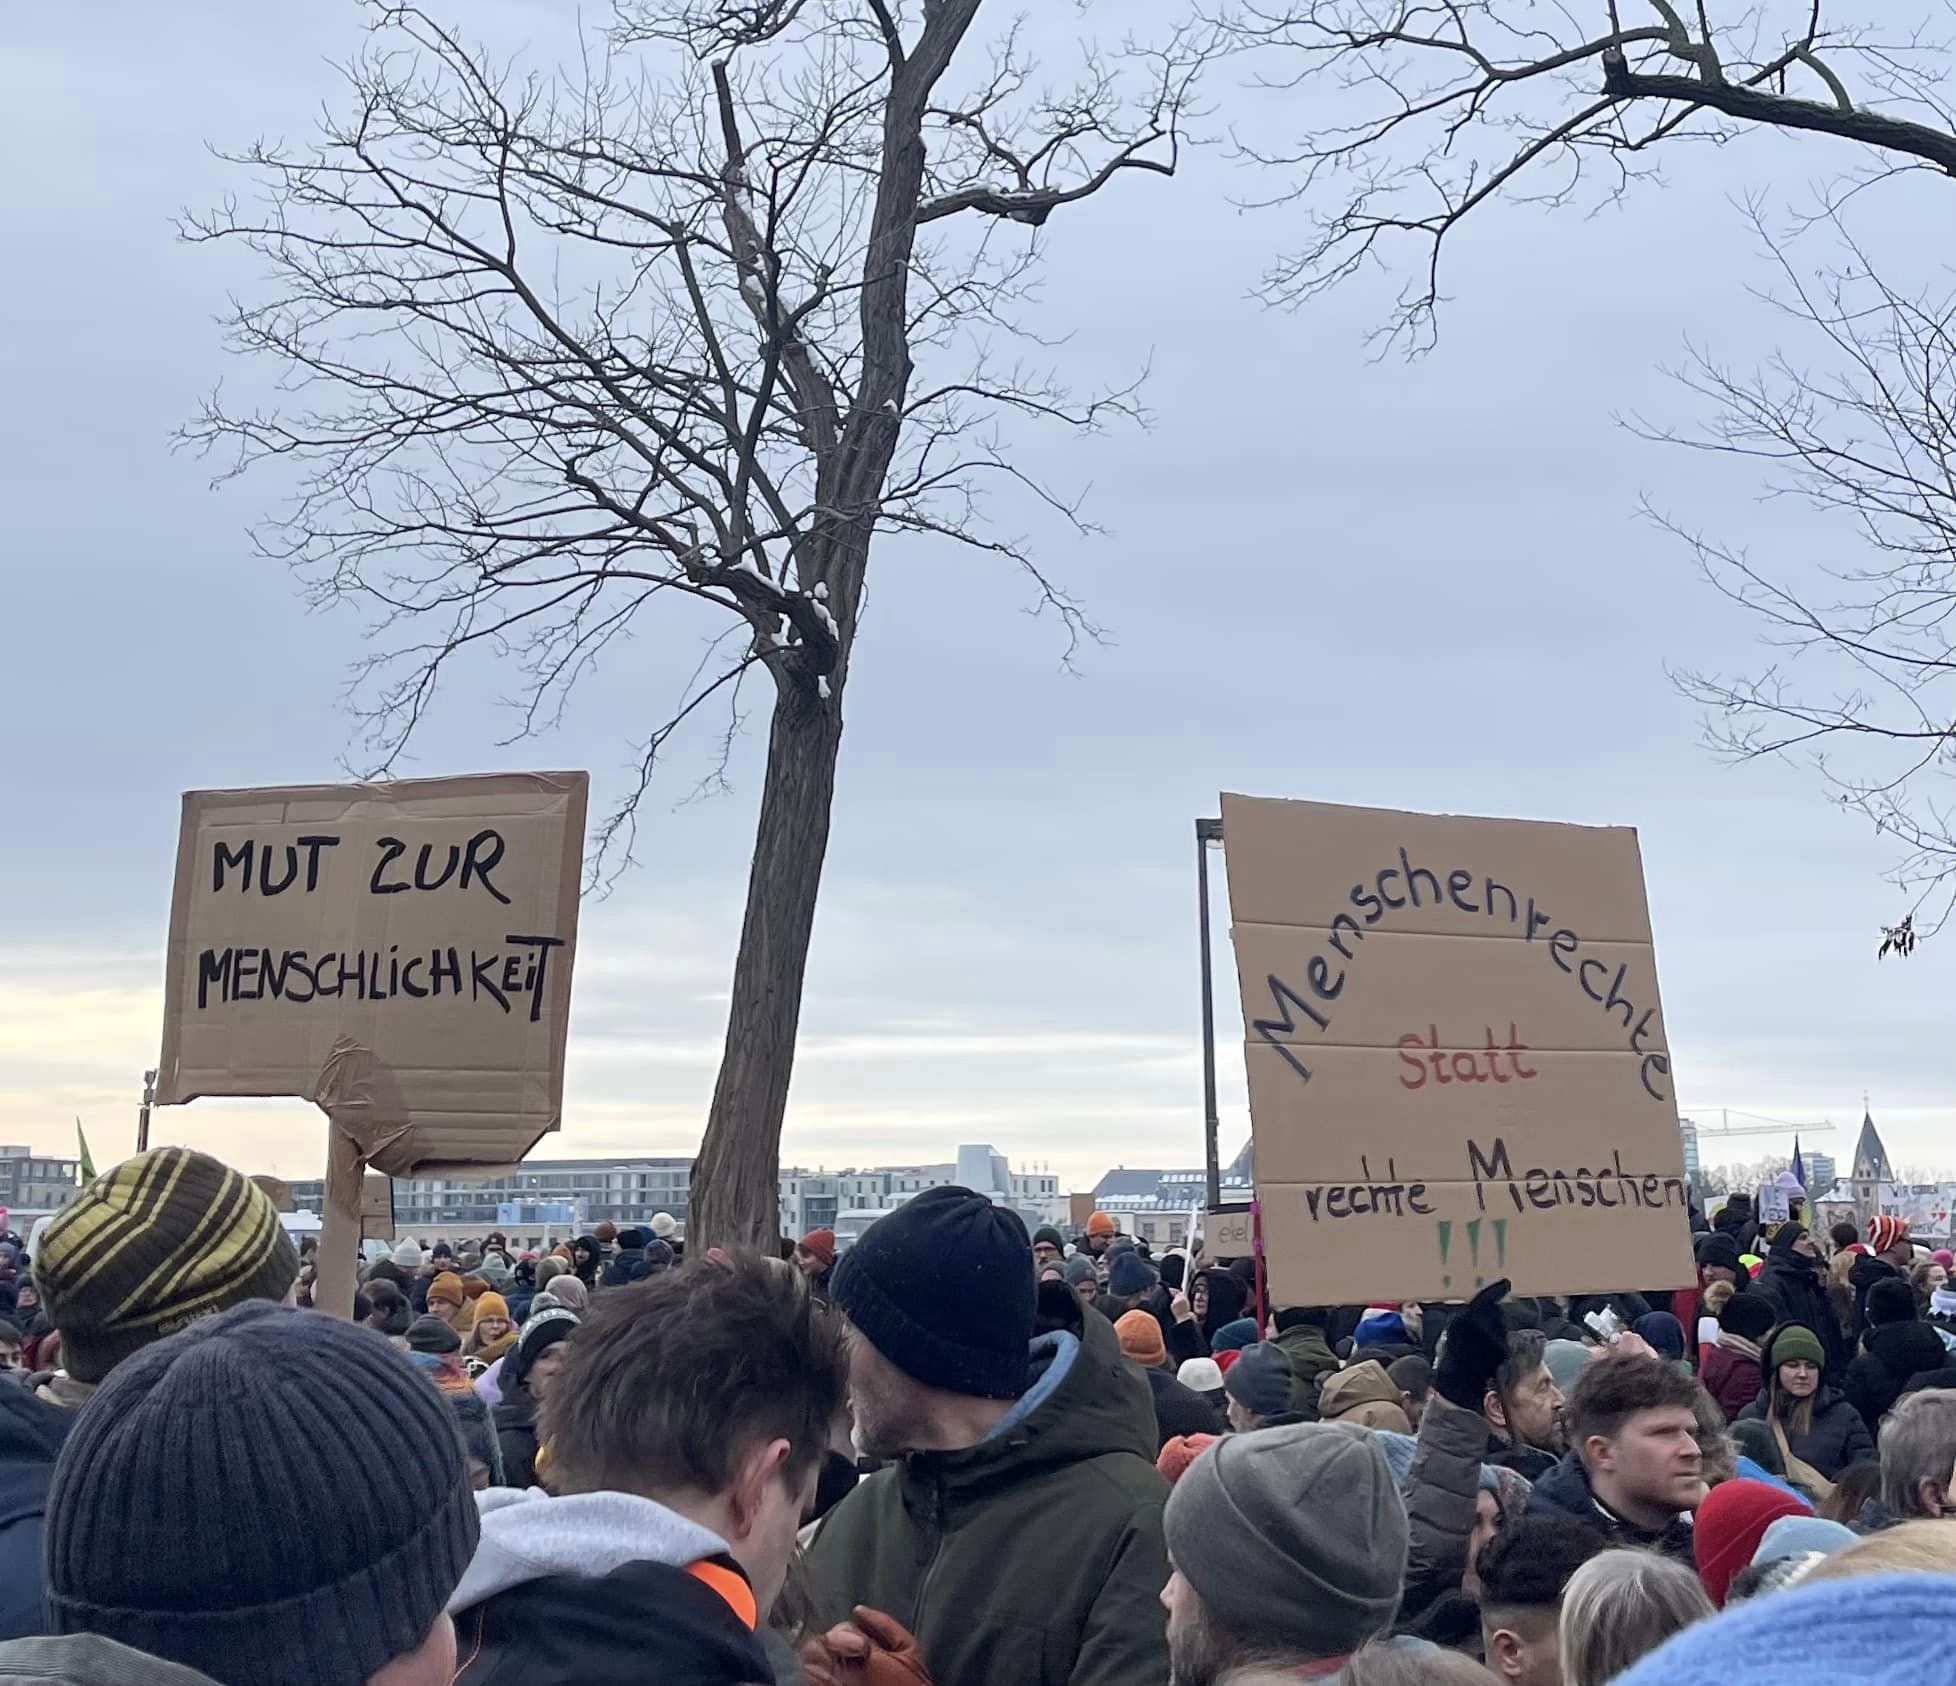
[735, 1189]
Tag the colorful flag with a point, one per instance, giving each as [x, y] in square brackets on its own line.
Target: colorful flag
[87, 1158]
[1799, 1167]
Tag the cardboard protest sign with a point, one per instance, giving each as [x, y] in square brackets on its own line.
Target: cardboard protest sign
[398, 953]
[1456, 1055]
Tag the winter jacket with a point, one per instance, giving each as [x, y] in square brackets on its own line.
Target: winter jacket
[601, 1586]
[1181, 1410]
[1531, 1463]
[1798, 1293]
[1034, 1557]
[1867, 1270]
[1837, 1437]
[1440, 1494]
[1731, 1375]
[31, 1433]
[516, 1434]
[87, 1659]
[1364, 1395]
[1894, 1355]
[1311, 1359]
[1565, 1491]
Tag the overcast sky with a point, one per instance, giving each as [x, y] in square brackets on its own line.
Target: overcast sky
[1418, 586]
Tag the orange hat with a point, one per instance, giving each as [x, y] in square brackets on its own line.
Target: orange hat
[447, 1288]
[475, 1286]
[1140, 1337]
[821, 1242]
[606, 1231]
[1886, 1232]
[1180, 1452]
[491, 1304]
[1101, 1224]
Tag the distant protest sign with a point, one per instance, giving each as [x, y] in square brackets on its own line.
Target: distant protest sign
[1456, 1055]
[398, 953]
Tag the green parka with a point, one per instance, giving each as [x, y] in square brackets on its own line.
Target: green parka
[1034, 1557]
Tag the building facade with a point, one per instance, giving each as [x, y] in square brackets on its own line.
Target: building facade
[633, 1191]
[33, 1184]
[1154, 1205]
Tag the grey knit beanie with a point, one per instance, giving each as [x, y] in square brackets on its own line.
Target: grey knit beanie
[1293, 1538]
[176, 1520]
[1260, 1379]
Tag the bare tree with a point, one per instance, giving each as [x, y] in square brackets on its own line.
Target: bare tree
[557, 350]
[1863, 433]
[1419, 113]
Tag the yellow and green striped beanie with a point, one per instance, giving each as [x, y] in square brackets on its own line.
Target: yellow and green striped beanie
[150, 1247]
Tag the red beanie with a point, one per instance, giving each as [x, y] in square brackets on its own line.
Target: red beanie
[1226, 1358]
[1730, 1524]
[821, 1242]
[1179, 1453]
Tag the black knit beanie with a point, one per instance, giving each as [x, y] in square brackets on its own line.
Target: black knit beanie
[272, 1498]
[1749, 1316]
[943, 1288]
[1891, 1300]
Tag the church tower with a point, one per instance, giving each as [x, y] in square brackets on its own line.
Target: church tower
[1871, 1171]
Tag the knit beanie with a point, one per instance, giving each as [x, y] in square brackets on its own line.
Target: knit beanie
[1717, 1248]
[1662, 1332]
[1380, 1328]
[664, 1225]
[658, 1256]
[490, 1305]
[942, 1287]
[447, 1288]
[408, 1255]
[474, 1287]
[495, 1271]
[1130, 1275]
[1729, 1525]
[1796, 1340]
[1049, 1235]
[1566, 1361]
[431, 1334]
[1259, 1380]
[1179, 1451]
[170, 1517]
[151, 1247]
[548, 1267]
[1796, 1535]
[821, 1242]
[1886, 1232]
[540, 1334]
[1200, 1375]
[1293, 1538]
[1140, 1337]
[1891, 1300]
[1749, 1316]
[1079, 1269]
[1231, 1336]
[1101, 1224]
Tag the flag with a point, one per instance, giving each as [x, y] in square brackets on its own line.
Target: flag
[87, 1158]
[1799, 1168]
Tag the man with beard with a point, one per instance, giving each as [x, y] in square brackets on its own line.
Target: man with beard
[1018, 1532]
[1889, 1257]
[1792, 1282]
[1523, 1407]
[1287, 1547]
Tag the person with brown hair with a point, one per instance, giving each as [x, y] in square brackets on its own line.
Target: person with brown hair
[1813, 1424]
[684, 1437]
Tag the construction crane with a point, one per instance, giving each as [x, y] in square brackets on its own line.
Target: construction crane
[1765, 1127]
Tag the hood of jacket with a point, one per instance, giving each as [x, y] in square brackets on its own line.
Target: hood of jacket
[1905, 1350]
[1304, 1344]
[529, 1536]
[87, 1659]
[1362, 1383]
[1085, 1400]
[1867, 1270]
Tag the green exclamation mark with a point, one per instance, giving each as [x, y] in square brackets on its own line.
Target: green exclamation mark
[1446, 1240]
[1474, 1241]
[1501, 1243]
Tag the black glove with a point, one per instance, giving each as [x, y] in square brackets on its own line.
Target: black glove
[1476, 1346]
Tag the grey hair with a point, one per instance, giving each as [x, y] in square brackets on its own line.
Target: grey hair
[1918, 1444]
[1620, 1606]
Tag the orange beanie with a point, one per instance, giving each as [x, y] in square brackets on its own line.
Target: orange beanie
[1140, 1337]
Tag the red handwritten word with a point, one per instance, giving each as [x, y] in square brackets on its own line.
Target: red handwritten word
[1499, 1062]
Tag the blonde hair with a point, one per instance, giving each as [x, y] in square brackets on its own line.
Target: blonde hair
[1620, 1606]
[1929, 1547]
[1716, 1296]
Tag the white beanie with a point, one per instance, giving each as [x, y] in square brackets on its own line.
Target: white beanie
[663, 1224]
[408, 1254]
[1202, 1375]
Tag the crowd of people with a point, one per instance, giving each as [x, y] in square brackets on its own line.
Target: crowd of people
[955, 1453]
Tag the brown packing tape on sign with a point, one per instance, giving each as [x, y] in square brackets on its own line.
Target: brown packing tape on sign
[399, 953]
[1456, 1054]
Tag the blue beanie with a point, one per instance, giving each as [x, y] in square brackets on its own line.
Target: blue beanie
[1913, 1615]
[943, 1288]
[1130, 1274]
[1231, 1337]
[1380, 1328]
